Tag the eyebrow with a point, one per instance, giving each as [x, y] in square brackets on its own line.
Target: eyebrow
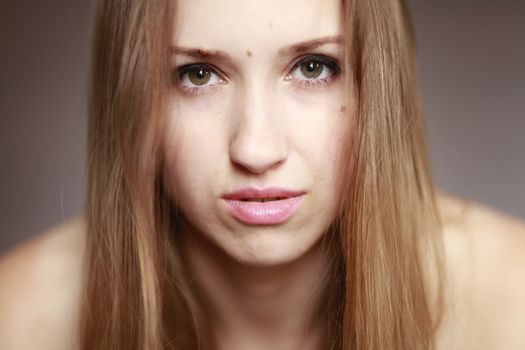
[199, 53]
[310, 45]
[298, 48]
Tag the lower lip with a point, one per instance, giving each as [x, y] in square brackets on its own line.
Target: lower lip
[264, 213]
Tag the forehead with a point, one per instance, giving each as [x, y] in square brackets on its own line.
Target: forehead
[253, 24]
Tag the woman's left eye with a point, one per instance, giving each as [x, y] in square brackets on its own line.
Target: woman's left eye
[315, 70]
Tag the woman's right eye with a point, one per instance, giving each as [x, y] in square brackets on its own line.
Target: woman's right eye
[196, 78]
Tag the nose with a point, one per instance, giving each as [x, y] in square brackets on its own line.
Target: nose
[258, 141]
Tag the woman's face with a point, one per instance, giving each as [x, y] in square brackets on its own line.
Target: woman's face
[256, 111]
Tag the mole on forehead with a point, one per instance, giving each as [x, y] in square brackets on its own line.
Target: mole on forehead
[248, 53]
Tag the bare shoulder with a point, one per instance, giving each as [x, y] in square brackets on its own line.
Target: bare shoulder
[40, 285]
[485, 260]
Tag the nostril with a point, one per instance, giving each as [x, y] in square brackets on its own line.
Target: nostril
[256, 146]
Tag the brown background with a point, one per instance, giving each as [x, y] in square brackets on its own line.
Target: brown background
[471, 56]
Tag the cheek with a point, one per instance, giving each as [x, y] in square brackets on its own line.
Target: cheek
[192, 151]
[322, 135]
[324, 138]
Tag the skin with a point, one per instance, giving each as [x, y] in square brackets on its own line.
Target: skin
[259, 121]
[263, 284]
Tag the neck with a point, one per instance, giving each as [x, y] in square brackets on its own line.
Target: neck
[275, 306]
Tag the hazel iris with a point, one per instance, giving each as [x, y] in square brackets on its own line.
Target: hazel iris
[311, 69]
[199, 75]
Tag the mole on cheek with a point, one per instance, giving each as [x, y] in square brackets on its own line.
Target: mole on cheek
[248, 53]
[342, 109]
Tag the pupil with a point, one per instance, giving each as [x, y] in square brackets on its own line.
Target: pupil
[200, 73]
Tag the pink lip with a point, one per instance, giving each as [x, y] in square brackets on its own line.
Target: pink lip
[263, 213]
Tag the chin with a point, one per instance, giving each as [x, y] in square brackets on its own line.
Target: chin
[271, 249]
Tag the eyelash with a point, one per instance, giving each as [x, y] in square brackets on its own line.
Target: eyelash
[327, 63]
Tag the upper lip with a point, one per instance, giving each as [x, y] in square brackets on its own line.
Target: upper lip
[268, 192]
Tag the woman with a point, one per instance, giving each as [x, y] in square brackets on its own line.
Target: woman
[258, 180]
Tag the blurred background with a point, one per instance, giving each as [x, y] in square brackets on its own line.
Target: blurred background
[471, 62]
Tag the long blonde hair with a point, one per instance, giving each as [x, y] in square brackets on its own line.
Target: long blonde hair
[136, 295]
